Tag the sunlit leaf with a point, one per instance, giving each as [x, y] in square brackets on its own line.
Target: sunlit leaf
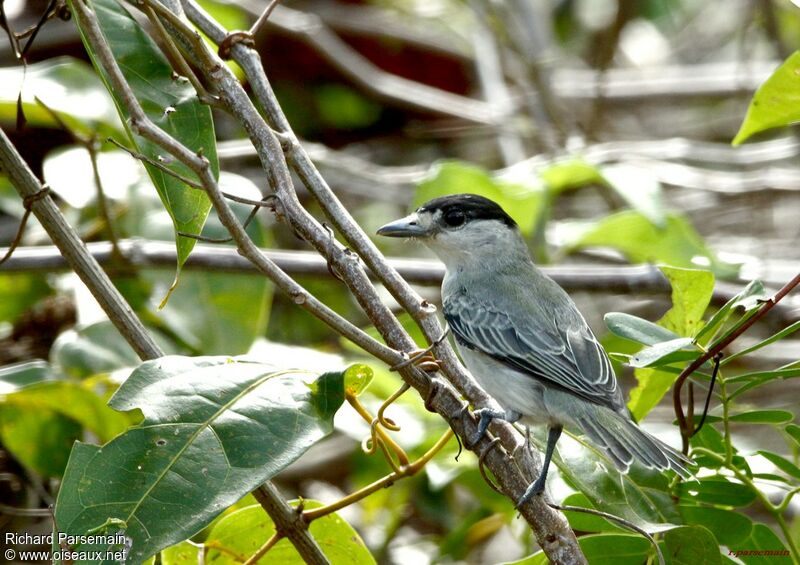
[357, 378]
[569, 174]
[776, 103]
[691, 294]
[183, 553]
[521, 202]
[239, 535]
[641, 241]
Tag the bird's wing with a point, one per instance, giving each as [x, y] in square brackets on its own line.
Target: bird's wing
[563, 353]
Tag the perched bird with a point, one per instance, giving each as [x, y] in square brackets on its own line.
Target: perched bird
[522, 337]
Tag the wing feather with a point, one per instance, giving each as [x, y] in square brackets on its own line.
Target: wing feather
[564, 353]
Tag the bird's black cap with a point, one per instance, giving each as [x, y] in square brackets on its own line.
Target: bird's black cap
[474, 207]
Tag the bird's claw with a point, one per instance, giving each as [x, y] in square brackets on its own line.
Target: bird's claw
[485, 417]
[536, 488]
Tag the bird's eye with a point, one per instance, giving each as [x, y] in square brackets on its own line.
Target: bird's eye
[454, 218]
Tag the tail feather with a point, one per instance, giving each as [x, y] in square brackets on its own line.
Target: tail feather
[623, 440]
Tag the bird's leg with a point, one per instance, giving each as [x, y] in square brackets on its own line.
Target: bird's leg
[537, 487]
[485, 417]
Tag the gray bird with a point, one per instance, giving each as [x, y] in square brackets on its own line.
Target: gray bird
[522, 337]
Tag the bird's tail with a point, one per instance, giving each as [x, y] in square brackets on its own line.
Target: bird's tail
[623, 441]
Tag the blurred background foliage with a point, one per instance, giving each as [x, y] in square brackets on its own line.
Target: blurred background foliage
[602, 127]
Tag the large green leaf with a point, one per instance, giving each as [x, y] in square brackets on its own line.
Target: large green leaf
[776, 103]
[641, 241]
[214, 429]
[240, 534]
[730, 528]
[66, 86]
[170, 103]
[691, 294]
[761, 548]
[522, 202]
[691, 545]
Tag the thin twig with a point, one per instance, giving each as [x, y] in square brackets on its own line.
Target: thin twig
[697, 363]
[616, 519]
[262, 19]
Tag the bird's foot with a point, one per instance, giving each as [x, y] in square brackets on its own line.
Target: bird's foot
[536, 488]
[485, 417]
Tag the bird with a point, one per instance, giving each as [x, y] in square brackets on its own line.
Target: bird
[523, 339]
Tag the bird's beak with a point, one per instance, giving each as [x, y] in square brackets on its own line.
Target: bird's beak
[404, 227]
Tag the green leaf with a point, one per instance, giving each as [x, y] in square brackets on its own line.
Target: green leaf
[730, 528]
[27, 290]
[781, 463]
[764, 376]
[183, 553]
[214, 429]
[522, 202]
[772, 339]
[41, 441]
[747, 300]
[763, 417]
[716, 490]
[639, 187]
[637, 329]
[641, 241]
[582, 521]
[776, 103]
[691, 294]
[794, 432]
[651, 355]
[691, 545]
[615, 549]
[761, 548]
[171, 104]
[239, 535]
[570, 174]
[66, 86]
[603, 549]
[357, 378]
[75, 401]
[342, 107]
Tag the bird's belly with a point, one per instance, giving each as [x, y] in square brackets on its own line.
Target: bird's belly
[512, 389]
